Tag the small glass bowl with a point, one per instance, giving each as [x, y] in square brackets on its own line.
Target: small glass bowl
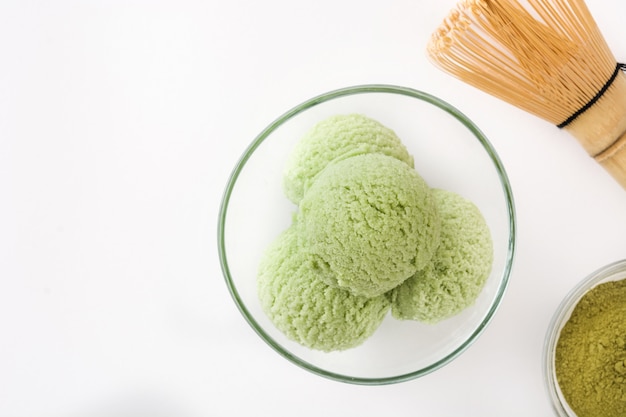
[613, 272]
[450, 152]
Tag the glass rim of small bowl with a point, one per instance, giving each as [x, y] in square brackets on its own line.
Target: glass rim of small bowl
[562, 313]
[312, 102]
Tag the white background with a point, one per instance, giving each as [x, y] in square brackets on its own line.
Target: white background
[120, 122]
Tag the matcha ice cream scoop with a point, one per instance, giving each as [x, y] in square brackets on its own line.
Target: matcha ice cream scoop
[368, 222]
[306, 309]
[335, 138]
[459, 268]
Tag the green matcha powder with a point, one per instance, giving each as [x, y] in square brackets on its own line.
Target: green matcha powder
[590, 357]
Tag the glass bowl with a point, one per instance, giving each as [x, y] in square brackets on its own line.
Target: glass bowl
[450, 152]
[613, 272]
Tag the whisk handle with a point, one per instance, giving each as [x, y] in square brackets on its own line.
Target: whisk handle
[613, 160]
[601, 130]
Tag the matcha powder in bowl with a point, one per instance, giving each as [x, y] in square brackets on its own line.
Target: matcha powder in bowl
[585, 355]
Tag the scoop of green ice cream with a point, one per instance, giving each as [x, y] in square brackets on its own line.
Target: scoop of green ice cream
[306, 309]
[335, 138]
[459, 269]
[368, 223]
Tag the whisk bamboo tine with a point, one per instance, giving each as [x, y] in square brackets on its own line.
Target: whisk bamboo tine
[547, 57]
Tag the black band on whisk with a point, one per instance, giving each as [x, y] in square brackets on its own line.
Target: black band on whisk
[595, 98]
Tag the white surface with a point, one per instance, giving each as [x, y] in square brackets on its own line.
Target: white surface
[120, 122]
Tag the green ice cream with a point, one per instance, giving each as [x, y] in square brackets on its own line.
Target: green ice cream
[369, 236]
[459, 269]
[333, 139]
[368, 223]
[306, 309]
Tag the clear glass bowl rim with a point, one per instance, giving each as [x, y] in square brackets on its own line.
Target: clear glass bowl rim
[558, 320]
[331, 95]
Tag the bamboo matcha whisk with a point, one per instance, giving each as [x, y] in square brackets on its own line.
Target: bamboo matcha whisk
[547, 57]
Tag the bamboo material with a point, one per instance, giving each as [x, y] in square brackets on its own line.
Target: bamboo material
[602, 130]
[548, 58]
